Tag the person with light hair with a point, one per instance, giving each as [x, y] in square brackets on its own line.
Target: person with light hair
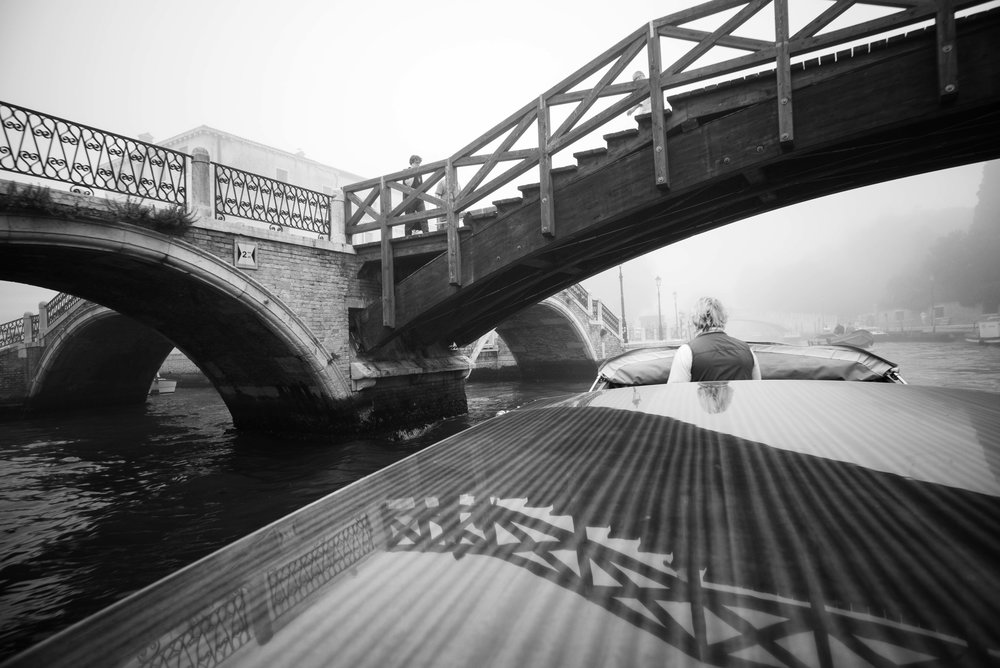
[712, 354]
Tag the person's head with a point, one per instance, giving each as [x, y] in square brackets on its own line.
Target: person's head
[415, 160]
[709, 313]
[639, 74]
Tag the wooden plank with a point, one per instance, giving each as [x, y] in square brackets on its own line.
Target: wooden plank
[786, 129]
[596, 121]
[947, 58]
[454, 243]
[660, 171]
[595, 92]
[546, 201]
[501, 153]
[388, 270]
[823, 19]
[710, 40]
[729, 41]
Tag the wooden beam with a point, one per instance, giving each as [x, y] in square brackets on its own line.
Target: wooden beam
[388, 273]
[660, 171]
[786, 129]
[947, 58]
[454, 243]
[546, 201]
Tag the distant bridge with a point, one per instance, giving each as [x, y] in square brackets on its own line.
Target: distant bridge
[299, 329]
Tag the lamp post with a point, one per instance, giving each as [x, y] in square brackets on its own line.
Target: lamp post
[677, 320]
[933, 324]
[659, 311]
[621, 292]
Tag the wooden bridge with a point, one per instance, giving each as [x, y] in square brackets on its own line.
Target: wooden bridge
[794, 126]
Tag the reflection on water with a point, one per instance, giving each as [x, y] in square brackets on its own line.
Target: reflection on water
[94, 507]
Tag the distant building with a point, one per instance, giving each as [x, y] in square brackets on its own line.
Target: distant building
[250, 156]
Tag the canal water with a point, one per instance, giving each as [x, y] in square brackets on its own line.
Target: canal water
[94, 507]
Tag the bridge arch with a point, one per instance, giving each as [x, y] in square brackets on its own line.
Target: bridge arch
[97, 357]
[547, 340]
[269, 368]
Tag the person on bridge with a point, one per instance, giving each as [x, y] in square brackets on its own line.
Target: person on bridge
[417, 204]
[712, 354]
[645, 106]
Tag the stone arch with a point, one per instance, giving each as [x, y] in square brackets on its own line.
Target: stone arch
[96, 357]
[548, 340]
[269, 368]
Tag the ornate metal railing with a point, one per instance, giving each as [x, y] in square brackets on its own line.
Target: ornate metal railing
[12, 332]
[48, 147]
[609, 319]
[255, 197]
[60, 305]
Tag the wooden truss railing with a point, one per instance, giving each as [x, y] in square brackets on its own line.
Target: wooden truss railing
[504, 163]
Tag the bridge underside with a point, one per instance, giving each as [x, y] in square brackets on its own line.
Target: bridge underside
[546, 345]
[110, 361]
[858, 121]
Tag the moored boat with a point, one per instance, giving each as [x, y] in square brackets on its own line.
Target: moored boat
[776, 522]
[161, 385]
[986, 332]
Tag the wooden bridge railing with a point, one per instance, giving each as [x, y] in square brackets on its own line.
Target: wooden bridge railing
[369, 204]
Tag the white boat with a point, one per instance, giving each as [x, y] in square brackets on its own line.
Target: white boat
[162, 385]
[987, 331]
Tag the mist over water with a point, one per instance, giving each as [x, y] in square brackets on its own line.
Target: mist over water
[94, 507]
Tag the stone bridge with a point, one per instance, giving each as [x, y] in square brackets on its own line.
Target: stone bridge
[298, 329]
[75, 354]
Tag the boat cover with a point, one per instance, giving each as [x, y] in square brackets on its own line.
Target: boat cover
[651, 366]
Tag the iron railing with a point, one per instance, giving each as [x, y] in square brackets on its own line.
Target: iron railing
[12, 332]
[60, 305]
[255, 197]
[580, 294]
[48, 147]
[610, 320]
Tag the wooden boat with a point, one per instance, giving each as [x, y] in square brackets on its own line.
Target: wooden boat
[778, 522]
[161, 385]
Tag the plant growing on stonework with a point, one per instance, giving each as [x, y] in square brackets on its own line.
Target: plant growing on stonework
[167, 219]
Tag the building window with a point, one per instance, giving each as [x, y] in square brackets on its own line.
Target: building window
[282, 175]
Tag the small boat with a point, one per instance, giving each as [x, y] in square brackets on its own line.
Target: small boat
[161, 385]
[987, 331]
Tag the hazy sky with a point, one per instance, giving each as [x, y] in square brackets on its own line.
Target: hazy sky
[362, 85]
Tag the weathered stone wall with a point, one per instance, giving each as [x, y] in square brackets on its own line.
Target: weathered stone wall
[315, 283]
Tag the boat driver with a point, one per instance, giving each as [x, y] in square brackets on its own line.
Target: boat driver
[712, 354]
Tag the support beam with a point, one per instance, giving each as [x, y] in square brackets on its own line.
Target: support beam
[661, 174]
[454, 243]
[786, 129]
[947, 58]
[388, 273]
[546, 202]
